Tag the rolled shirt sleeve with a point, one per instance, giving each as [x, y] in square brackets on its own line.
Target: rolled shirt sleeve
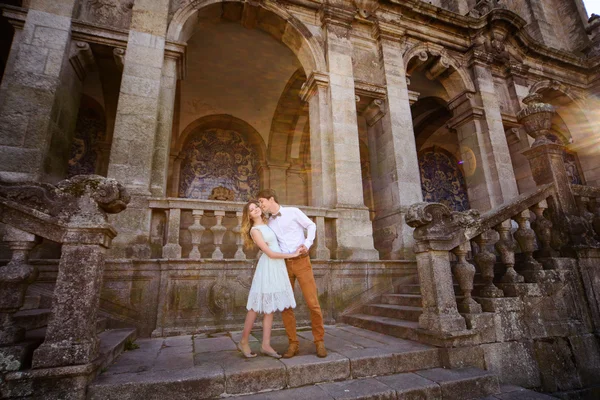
[309, 225]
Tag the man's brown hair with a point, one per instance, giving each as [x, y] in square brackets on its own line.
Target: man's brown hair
[267, 194]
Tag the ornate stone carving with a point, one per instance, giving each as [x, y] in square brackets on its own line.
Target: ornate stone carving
[82, 198]
[593, 30]
[366, 8]
[116, 13]
[435, 221]
[483, 7]
[536, 118]
[221, 193]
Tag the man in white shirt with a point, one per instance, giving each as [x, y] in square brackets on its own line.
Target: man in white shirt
[289, 224]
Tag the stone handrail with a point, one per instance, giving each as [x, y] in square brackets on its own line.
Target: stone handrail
[440, 231]
[203, 211]
[72, 213]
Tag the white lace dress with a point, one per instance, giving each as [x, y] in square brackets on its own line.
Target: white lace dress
[271, 289]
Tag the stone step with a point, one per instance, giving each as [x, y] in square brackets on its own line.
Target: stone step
[389, 326]
[409, 289]
[32, 319]
[438, 383]
[413, 300]
[101, 324]
[179, 366]
[406, 313]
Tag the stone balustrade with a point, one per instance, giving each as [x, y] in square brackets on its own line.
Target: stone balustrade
[588, 203]
[454, 246]
[72, 213]
[210, 229]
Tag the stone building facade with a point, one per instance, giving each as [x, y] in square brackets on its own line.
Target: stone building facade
[352, 110]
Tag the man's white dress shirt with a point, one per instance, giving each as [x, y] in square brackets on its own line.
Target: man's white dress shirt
[289, 228]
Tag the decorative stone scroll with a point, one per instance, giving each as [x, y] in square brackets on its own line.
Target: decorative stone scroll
[72, 213]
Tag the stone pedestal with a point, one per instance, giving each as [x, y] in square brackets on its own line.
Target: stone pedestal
[71, 334]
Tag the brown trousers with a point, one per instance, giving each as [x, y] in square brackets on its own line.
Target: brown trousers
[301, 269]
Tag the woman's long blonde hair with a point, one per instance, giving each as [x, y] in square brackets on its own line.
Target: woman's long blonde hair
[247, 223]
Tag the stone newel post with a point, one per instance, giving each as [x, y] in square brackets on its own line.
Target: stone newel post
[437, 232]
[72, 213]
[546, 153]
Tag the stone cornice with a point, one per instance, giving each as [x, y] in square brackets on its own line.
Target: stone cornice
[370, 90]
[314, 81]
[16, 16]
[337, 16]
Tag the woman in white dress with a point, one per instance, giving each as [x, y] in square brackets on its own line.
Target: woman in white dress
[271, 289]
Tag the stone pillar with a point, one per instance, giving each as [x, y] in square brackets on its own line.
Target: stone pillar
[173, 249]
[71, 334]
[29, 113]
[162, 143]
[278, 180]
[436, 233]
[396, 177]
[484, 151]
[354, 229]
[546, 153]
[321, 173]
[139, 121]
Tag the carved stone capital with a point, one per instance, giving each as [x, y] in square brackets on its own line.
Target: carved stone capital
[82, 59]
[315, 80]
[366, 8]
[374, 111]
[119, 57]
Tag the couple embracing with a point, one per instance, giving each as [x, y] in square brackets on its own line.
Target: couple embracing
[284, 260]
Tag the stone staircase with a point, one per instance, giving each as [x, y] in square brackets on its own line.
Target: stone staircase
[361, 364]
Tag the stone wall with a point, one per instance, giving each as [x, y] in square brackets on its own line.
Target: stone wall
[172, 297]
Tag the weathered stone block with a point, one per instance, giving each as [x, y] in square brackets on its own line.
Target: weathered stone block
[307, 370]
[558, 372]
[412, 386]
[586, 352]
[513, 362]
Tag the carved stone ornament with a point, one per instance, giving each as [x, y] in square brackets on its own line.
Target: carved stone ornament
[483, 7]
[115, 13]
[366, 8]
[222, 298]
[82, 198]
[221, 193]
[536, 118]
[435, 221]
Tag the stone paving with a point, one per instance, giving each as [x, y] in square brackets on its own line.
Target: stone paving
[361, 364]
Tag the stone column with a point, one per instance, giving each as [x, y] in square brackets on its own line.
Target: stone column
[354, 229]
[278, 180]
[162, 144]
[394, 154]
[321, 173]
[139, 122]
[30, 92]
[435, 235]
[546, 153]
[71, 334]
[484, 151]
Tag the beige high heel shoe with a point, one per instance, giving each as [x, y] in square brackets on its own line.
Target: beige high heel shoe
[247, 355]
[273, 354]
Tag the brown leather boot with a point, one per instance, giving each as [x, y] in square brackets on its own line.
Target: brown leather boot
[293, 349]
[321, 350]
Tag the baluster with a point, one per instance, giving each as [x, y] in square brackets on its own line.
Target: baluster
[322, 252]
[506, 247]
[239, 254]
[543, 229]
[525, 236]
[173, 249]
[464, 272]
[485, 260]
[218, 231]
[196, 230]
[14, 279]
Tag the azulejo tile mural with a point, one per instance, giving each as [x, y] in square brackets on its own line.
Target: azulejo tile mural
[442, 181]
[218, 157]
